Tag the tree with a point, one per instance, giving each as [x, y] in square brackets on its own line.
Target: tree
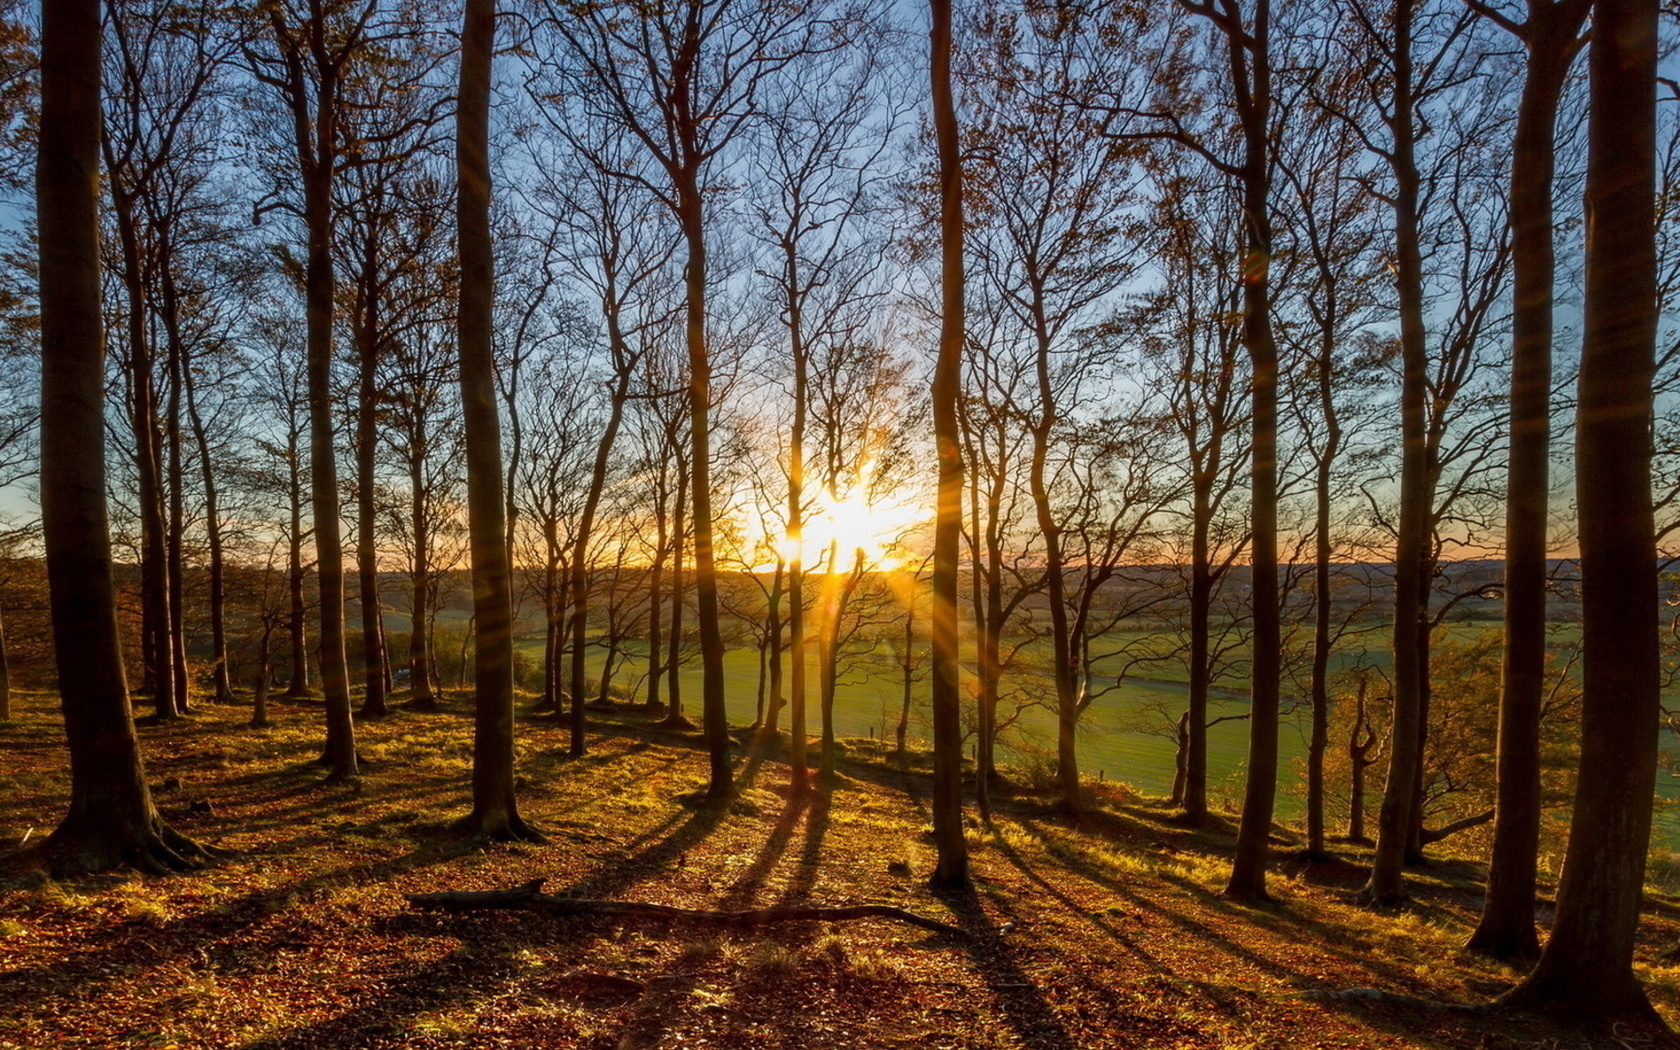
[495, 812]
[1051, 245]
[951, 871]
[1401, 93]
[111, 821]
[825, 153]
[1586, 968]
[306, 65]
[684, 82]
[1551, 36]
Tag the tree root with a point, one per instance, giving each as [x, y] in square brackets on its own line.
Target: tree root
[156, 849]
[530, 897]
[502, 828]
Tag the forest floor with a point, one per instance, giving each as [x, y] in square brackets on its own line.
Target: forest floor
[1104, 931]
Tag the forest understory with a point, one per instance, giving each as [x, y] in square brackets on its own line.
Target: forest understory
[1102, 931]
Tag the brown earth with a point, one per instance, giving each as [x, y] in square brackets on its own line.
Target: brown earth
[1105, 931]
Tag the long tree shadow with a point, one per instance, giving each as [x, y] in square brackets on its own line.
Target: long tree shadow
[1024, 1006]
[1209, 935]
[1014, 857]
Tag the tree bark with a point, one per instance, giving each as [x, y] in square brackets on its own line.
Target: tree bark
[420, 661]
[111, 820]
[1394, 820]
[367, 511]
[298, 623]
[1251, 76]
[951, 870]
[495, 812]
[1506, 929]
[1586, 968]
[154, 572]
[222, 682]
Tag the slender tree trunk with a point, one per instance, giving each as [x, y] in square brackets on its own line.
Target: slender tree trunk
[1181, 759]
[656, 621]
[1063, 673]
[495, 812]
[1318, 741]
[367, 510]
[827, 642]
[1587, 965]
[1386, 885]
[679, 531]
[909, 675]
[1359, 758]
[586, 526]
[154, 573]
[319, 144]
[770, 724]
[223, 683]
[265, 673]
[177, 502]
[1201, 609]
[1506, 929]
[798, 762]
[714, 717]
[111, 820]
[952, 868]
[422, 694]
[297, 624]
[1251, 72]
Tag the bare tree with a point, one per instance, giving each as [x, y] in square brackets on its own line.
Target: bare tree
[495, 812]
[111, 820]
[684, 82]
[1586, 968]
[305, 57]
[951, 870]
[1552, 36]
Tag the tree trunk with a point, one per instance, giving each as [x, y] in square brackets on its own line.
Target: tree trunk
[367, 511]
[265, 673]
[714, 717]
[1061, 641]
[339, 753]
[420, 662]
[623, 362]
[1394, 820]
[1361, 740]
[177, 499]
[656, 621]
[1506, 929]
[1587, 966]
[111, 820]
[222, 682]
[297, 625]
[673, 661]
[827, 641]
[951, 871]
[1201, 614]
[798, 761]
[1248, 868]
[909, 672]
[770, 724]
[495, 812]
[154, 573]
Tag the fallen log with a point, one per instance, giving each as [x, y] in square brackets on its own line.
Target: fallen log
[530, 897]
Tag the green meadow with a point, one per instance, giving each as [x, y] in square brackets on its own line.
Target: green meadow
[1126, 733]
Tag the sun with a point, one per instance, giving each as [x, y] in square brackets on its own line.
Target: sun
[860, 521]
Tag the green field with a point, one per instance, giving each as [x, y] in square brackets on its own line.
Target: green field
[1113, 743]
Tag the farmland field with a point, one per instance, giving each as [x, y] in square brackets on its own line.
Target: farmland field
[1124, 736]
